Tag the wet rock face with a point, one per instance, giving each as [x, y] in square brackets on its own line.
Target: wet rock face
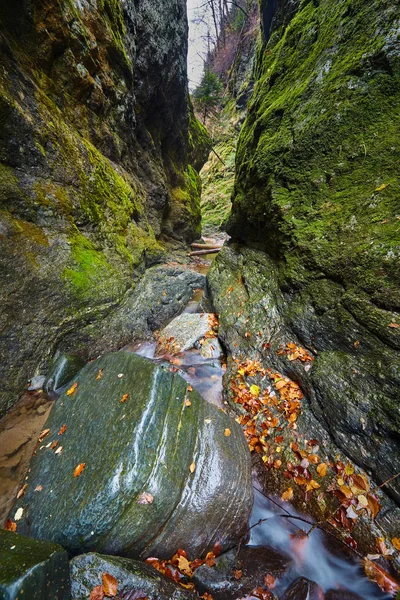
[157, 473]
[325, 210]
[93, 164]
[87, 569]
[32, 569]
[303, 589]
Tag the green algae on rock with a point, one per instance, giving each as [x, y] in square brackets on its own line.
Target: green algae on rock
[128, 423]
[317, 189]
[93, 113]
[32, 569]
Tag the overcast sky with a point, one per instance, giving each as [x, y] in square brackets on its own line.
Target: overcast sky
[197, 45]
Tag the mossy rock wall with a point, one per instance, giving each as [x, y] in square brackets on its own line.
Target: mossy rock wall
[317, 189]
[93, 148]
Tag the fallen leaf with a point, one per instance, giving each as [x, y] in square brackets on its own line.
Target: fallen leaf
[373, 505]
[184, 566]
[270, 581]
[189, 388]
[124, 397]
[99, 375]
[54, 445]
[72, 389]
[187, 402]
[394, 325]
[10, 525]
[362, 500]
[385, 581]
[43, 434]
[59, 450]
[192, 467]
[145, 498]
[110, 585]
[210, 562]
[381, 187]
[63, 429]
[396, 543]
[79, 469]
[356, 344]
[97, 593]
[237, 573]
[287, 495]
[255, 390]
[227, 432]
[38, 488]
[22, 491]
[381, 546]
[18, 514]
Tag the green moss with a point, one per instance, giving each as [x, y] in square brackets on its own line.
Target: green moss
[320, 140]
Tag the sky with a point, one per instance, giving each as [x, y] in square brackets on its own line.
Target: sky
[197, 45]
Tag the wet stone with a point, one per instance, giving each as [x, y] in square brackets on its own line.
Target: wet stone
[254, 562]
[32, 570]
[304, 589]
[87, 569]
[131, 433]
[63, 369]
[341, 595]
[185, 331]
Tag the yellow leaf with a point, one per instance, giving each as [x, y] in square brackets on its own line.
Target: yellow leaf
[192, 467]
[396, 543]
[349, 470]
[227, 432]
[288, 495]
[184, 566]
[72, 389]
[381, 187]
[255, 390]
[322, 469]
[362, 500]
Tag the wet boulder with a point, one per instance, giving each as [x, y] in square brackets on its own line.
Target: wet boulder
[304, 589]
[237, 574]
[32, 569]
[132, 576]
[341, 595]
[63, 369]
[136, 464]
[186, 331]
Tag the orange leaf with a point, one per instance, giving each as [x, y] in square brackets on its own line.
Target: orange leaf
[269, 581]
[63, 429]
[72, 389]
[210, 562]
[189, 388]
[110, 584]
[54, 445]
[43, 434]
[396, 543]
[79, 469]
[97, 593]
[385, 581]
[373, 505]
[394, 325]
[238, 574]
[99, 375]
[227, 432]
[124, 397]
[10, 525]
[192, 467]
[22, 491]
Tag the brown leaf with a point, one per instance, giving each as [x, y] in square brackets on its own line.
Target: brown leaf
[10, 525]
[373, 505]
[43, 434]
[210, 562]
[110, 585]
[217, 548]
[381, 546]
[360, 482]
[54, 445]
[237, 573]
[270, 581]
[79, 469]
[145, 498]
[22, 491]
[72, 389]
[97, 593]
[38, 488]
[385, 581]
[63, 429]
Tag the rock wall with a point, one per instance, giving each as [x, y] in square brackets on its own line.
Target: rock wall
[94, 172]
[317, 190]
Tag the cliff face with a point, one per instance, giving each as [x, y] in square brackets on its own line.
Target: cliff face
[317, 190]
[94, 170]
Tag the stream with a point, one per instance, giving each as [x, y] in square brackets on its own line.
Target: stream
[311, 557]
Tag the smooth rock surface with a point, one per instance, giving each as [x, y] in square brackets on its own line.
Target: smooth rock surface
[304, 589]
[185, 331]
[254, 561]
[149, 442]
[63, 369]
[87, 569]
[341, 595]
[32, 570]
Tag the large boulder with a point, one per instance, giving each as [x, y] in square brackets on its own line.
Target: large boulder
[32, 569]
[160, 471]
[131, 575]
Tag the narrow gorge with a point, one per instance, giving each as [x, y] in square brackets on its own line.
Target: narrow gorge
[200, 300]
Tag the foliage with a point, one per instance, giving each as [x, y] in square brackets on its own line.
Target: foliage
[207, 96]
